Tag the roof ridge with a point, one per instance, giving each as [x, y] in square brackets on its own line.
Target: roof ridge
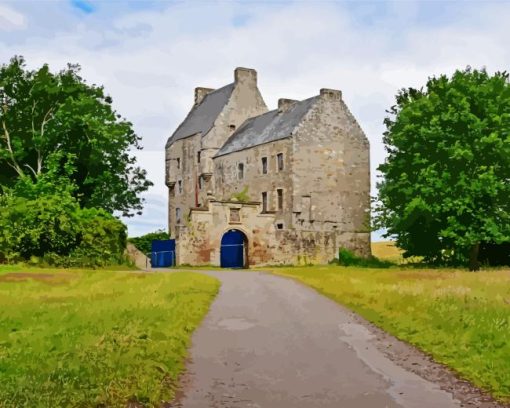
[202, 124]
[276, 126]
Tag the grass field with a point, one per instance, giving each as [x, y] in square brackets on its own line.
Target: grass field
[75, 338]
[461, 318]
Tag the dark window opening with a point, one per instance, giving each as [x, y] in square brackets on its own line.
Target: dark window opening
[279, 226]
[240, 171]
[279, 159]
[179, 184]
[178, 163]
[232, 127]
[200, 183]
[199, 156]
[264, 202]
[280, 198]
[264, 165]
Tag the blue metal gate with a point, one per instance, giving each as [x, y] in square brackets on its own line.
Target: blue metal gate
[232, 249]
[163, 253]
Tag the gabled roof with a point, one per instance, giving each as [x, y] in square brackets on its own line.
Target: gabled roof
[201, 117]
[268, 127]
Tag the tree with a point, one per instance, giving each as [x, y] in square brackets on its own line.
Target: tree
[42, 113]
[446, 180]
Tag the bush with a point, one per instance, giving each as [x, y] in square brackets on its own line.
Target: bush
[102, 239]
[144, 243]
[51, 227]
[348, 258]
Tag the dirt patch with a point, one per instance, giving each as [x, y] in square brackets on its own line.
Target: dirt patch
[432, 275]
[49, 278]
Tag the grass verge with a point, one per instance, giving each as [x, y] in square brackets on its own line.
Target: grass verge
[96, 338]
[461, 318]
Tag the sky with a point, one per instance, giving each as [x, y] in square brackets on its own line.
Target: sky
[150, 55]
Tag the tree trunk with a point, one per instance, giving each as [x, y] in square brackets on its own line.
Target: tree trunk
[474, 265]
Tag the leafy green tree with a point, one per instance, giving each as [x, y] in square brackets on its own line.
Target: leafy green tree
[446, 180]
[42, 113]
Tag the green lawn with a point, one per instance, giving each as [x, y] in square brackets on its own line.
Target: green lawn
[461, 318]
[77, 338]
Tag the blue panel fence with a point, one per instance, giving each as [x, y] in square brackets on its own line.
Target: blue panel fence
[163, 253]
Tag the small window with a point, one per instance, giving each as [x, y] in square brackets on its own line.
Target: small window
[200, 183]
[264, 165]
[279, 160]
[264, 201]
[279, 226]
[178, 163]
[199, 154]
[235, 215]
[279, 193]
[177, 216]
[240, 171]
[232, 127]
[179, 186]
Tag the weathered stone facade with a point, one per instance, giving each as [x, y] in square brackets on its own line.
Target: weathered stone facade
[295, 181]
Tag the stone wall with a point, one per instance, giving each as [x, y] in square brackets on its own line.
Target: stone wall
[228, 183]
[184, 150]
[199, 239]
[245, 102]
[331, 174]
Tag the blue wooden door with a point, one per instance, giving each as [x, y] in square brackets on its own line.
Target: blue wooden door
[232, 249]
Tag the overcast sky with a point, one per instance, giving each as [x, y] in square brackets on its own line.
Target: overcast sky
[150, 55]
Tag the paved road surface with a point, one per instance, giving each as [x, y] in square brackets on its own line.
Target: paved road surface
[272, 342]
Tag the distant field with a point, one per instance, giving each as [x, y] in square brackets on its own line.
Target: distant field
[386, 250]
[76, 338]
[461, 318]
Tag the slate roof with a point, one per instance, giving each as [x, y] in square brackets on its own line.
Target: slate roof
[201, 117]
[268, 127]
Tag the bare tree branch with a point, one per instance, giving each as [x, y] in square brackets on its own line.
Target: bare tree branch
[44, 122]
[33, 171]
[7, 138]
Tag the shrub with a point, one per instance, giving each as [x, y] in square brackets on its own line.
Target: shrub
[102, 239]
[243, 196]
[34, 227]
[51, 227]
[348, 258]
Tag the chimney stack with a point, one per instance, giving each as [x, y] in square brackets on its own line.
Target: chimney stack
[330, 93]
[285, 104]
[200, 94]
[245, 75]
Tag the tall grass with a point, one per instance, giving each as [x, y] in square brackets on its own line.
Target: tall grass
[96, 338]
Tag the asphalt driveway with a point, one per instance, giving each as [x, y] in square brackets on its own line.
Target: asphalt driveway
[272, 342]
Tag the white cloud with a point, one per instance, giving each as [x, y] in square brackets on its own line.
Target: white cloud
[11, 19]
[150, 61]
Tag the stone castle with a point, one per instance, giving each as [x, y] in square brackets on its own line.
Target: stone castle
[286, 186]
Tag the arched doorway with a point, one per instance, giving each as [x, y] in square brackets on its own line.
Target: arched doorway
[234, 250]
